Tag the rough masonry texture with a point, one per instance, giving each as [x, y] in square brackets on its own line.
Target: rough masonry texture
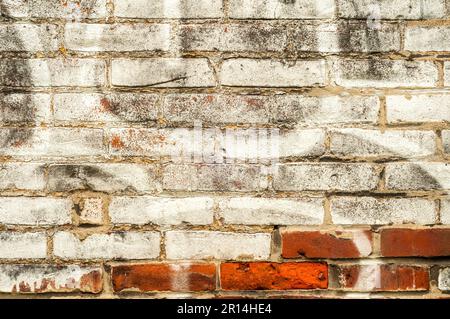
[219, 148]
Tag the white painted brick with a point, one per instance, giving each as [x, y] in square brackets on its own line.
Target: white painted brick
[117, 37]
[346, 37]
[392, 9]
[385, 73]
[381, 211]
[326, 177]
[233, 37]
[52, 72]
[312, 111]
[392, 143]
[272, 211]
[248, 145]
[26, 108]
[56, 142]
[14, 8]
[173, 9]
[15, 245]
[427, 38]
[70, 9]
[103, 177]
[447, 73]
[444, 279]
[164, 72]
[217, 245]
[25, 278]
[446, 141]
[275, 9]
[419, 108]
[35, 211]
[271, 73]
[161, 211]
[119, 245]
[215, 177]
[96, 107]
[28, 37]
[417, 176]
[91, 211]
[22, 176]
[445, 211]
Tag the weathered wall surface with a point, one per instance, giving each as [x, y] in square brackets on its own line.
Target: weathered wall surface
[118, 178]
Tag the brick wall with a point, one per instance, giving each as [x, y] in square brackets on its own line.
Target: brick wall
[118, 174]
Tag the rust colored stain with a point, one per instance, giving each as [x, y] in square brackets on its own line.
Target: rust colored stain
[273, 276]
[116, 142]
[315, 244]
[254, 102]
[91, 282]
[398, 242]
[105, 105]
[164, 277]
[392, 277]
[209, 98]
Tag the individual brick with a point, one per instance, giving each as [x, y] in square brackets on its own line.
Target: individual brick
[403, 242]
[273, 276]
[161, 211]
[22, 176]
[35, 211]
[326, 244]
[109, 108]
[382, 211]
[164, 277]
[427, 38]
[118, 245]
[417, 176]
[271, 211]
[216, 177]
[15, 245]
[28, 37]
[160, 9]
[263, 37]
[52, 72]
[102, 177]
[445, 211]
[379, 277]
[444, 279]
[446, 141]
[418, 108]
[326, 177]
[90, 211]
[391, 143]
[48, 278]
[216, 108]
[55, 142]
[117, 37]
[324, 110]
[273, 9]
[217, 245]
[70, 10]
[162, 72]
[346, 37]
[379, 73]
[25, 108]
[271, 73]
[391, 9]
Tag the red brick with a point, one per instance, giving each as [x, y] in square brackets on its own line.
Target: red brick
[273, 276]
[398, 242]
[380, 277]
[316, 244]
[164, 277]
